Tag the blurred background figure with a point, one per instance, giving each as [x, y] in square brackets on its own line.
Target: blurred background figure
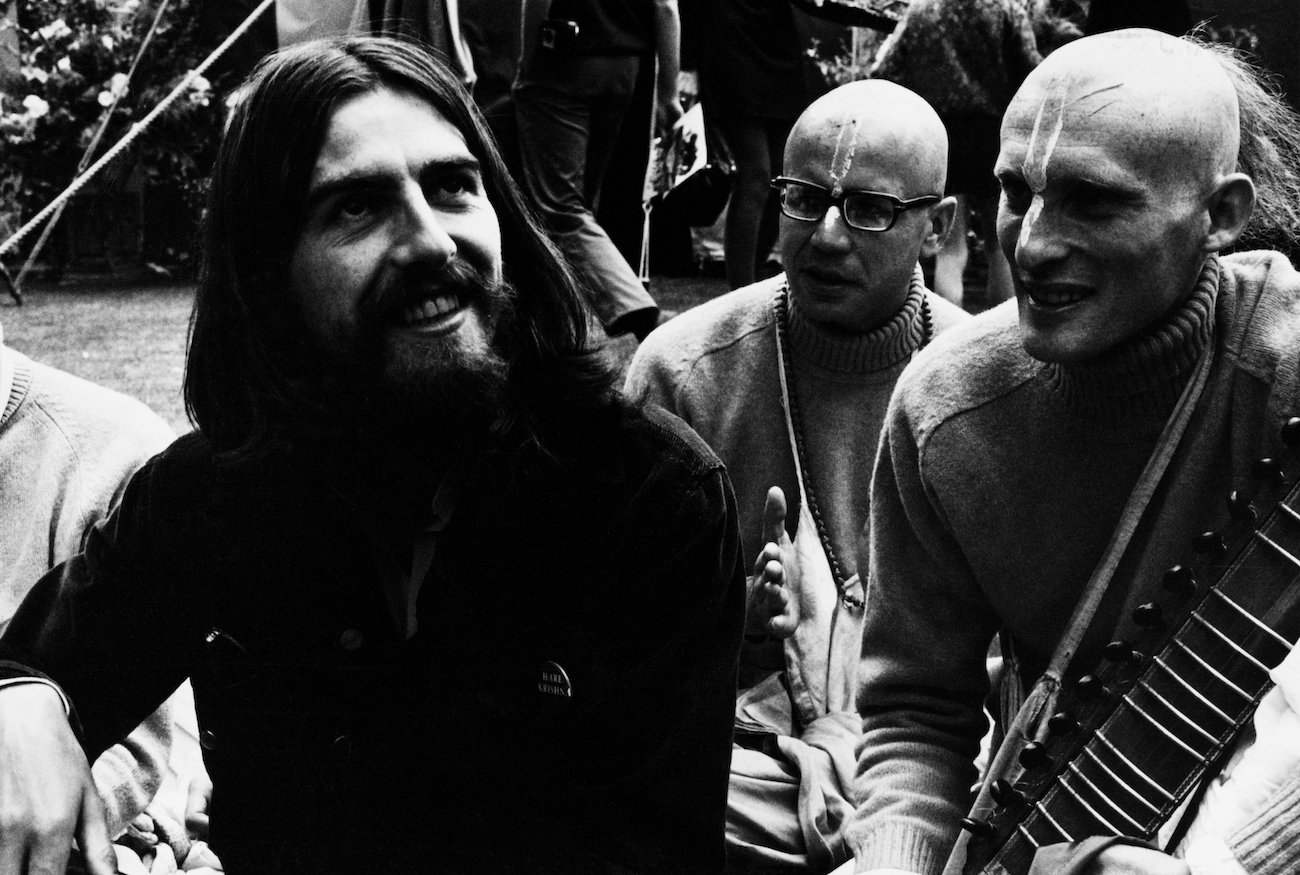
[967, 58]
[579, 66]
[752, 84]
[1170, 16]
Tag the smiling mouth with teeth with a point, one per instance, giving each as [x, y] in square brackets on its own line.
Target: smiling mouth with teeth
[1057, 295]
[429, 310]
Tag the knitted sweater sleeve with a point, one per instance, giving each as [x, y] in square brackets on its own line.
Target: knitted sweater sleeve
[128, 774]
[652, 377]
[923, 673]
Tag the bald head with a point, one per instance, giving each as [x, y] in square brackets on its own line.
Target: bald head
[1118, 166]
[873, 122]
[1172, 95]
[871, 138]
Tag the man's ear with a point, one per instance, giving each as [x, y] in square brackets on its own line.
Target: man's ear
[1230, 206]
[942, 215]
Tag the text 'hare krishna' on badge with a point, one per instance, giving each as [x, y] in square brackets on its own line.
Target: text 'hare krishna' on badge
[554, 681]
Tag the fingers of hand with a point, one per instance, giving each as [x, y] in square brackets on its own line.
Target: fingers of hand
[771, 553]
[92, 834]
[774, 509]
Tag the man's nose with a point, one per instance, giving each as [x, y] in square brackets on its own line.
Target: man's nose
[832, 232]
[422, 236]
[1041, 240]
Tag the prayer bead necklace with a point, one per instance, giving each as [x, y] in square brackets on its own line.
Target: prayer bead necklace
[796, 419]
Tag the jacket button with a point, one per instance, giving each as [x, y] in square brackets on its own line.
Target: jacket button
[208, 739]
[351, 639]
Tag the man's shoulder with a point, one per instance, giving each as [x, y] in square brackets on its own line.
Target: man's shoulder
[662, 438]
[708, 329]
[1263, 289]
[92, 417]
[944, 314]
[972, 363]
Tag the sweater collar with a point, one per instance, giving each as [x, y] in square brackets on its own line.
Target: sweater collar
[884, 347]
[15, 378]
[1145, 374]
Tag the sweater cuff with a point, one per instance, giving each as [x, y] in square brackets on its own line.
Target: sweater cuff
[1270, 843]
[898, 846]
[13, 682]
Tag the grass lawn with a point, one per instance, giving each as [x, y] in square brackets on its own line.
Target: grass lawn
[132, 337]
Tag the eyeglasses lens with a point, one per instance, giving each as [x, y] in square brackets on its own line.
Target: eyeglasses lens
[804, 201]
[868, 212]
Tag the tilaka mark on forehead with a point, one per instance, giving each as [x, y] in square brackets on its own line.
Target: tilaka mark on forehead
[846, 145]
[1041, 146]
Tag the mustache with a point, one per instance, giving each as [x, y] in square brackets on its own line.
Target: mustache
[417, 283]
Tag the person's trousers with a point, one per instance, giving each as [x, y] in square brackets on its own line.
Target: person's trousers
[569, 112]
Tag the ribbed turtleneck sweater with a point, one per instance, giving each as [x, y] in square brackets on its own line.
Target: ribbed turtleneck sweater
[999, 482]
[715, 367]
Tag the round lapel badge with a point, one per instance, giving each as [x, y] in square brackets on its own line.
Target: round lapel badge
[554, 681]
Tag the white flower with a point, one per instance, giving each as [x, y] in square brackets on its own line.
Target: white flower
[200, 83]
[55, 29]
[105, 99]
[35, 106]
[35, 74]
[64, 64]
[107, 41]
[118, 84]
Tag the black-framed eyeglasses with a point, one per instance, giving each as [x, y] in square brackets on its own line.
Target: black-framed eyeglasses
[872, 211]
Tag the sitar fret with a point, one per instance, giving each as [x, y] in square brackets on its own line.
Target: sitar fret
[1100, 736]
[1169, 672]
[1173, 709]
[1278, 548]
[1101, 794]
[1092, 754]
[1255, 621]
[1213, 671]
[1222, 636]
[1155, 724]
[1094, 813]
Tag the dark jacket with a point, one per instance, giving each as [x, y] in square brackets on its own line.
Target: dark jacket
[337, 746]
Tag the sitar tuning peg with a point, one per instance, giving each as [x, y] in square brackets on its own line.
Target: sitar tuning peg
[1209, 543]
[1180, 580]
[1033, 755]
[1291, 432]
[1240, 508]
[1120, 651]
[1006, 795]
[1062, 723]
[1268, 469]
[1149, 615]
[978, 828]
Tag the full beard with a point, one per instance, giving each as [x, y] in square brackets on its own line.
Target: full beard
[442, 396]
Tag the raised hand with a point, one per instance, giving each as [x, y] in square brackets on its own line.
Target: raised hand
[773, 605]
[47, 797]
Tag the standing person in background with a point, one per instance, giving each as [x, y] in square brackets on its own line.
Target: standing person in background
[578, 69]
[753, 87]
[966, 58]
[1170, 16]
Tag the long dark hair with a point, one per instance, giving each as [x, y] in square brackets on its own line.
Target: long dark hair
[245, 386]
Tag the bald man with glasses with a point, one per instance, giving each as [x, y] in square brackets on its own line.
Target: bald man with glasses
[788, 381]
